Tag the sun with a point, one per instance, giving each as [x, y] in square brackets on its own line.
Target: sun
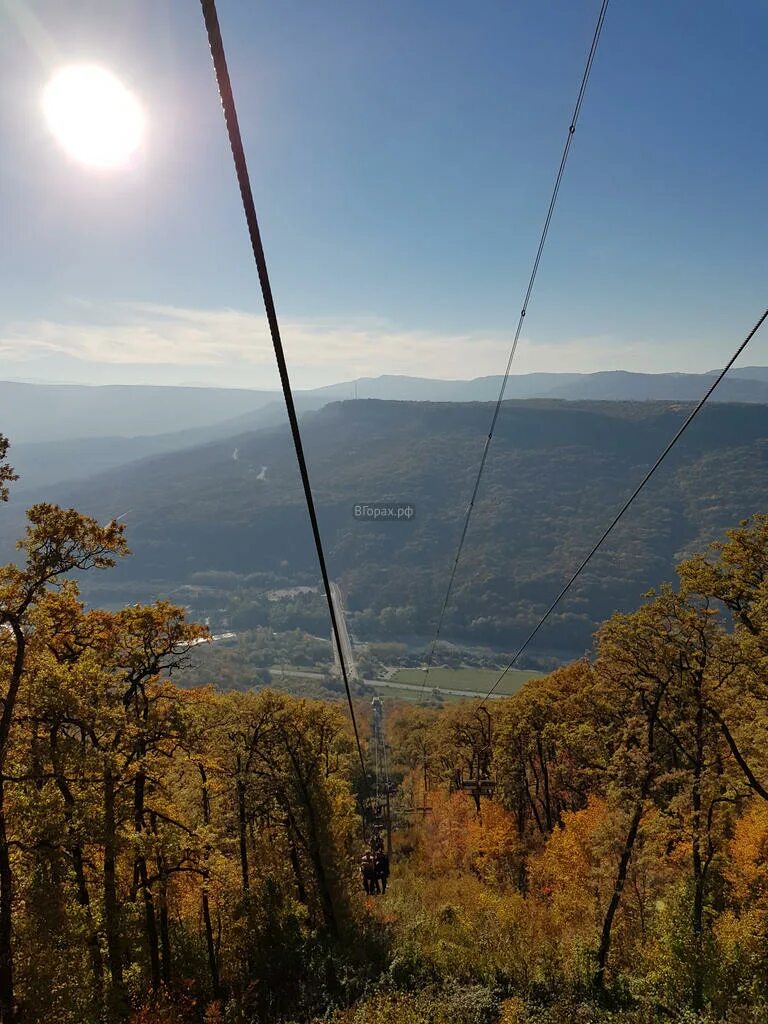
[93, 116]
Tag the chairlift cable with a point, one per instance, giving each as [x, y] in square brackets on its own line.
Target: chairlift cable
[216, 44]
[624, 508]
[523, 311]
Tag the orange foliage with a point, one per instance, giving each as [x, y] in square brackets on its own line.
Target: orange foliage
[455, 838]
[747, 869]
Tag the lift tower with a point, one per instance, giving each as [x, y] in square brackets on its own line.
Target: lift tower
[382, 817]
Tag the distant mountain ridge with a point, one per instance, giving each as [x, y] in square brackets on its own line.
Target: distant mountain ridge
[32, 413]
[70, 432]
[750, 384]
[46, 412]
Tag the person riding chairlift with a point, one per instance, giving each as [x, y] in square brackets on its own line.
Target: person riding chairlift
[381, 870]
[368, 873]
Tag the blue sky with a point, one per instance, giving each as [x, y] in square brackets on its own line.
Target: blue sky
[402, 156]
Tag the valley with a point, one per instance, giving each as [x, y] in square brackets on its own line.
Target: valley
[214, 530]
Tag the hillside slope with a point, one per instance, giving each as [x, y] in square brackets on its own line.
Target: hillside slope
[556, 474]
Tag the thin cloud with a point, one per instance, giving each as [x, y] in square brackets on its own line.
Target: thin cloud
[131, 334]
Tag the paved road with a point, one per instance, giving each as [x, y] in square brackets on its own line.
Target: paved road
[278, 670]
[346, 643]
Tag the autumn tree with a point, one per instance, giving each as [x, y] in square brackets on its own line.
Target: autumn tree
[202, 772]
[57, 542]
[735, 575]
[668, 665]
[411, 733]
[462, 747]
[7, 475]
[551, 748]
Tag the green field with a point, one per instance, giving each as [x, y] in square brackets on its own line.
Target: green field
[474, 680]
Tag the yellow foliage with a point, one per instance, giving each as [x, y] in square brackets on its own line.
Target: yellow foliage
[747, 869]
[512, 1011]
[568, 874]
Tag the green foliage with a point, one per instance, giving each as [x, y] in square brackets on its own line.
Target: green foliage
[6, 472]
[556, 473]
[473, 680]
[293, 661]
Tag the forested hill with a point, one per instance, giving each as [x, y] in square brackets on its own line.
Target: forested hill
[69, 432]
[556, 474]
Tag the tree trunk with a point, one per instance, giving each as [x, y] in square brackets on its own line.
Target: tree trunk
[242, 825]
[618, 888]
[7, 996]
[534, 809]
[142, 876]
[150, 923]
[94, 949]
[742, 762]
[522, 872]
[7, 1000]
[545, 780]
[652, 712]
[213, 965]
[76, 853]
[326, 900]
[165, 935]
[697, 862]
[162, 885]
[117, 1003]
[293, 853]
[210, 945]
[316, 858]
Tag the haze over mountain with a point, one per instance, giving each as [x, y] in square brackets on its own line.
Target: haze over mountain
[557, 472]
[45, 462]
[43, 412]
[31, 413]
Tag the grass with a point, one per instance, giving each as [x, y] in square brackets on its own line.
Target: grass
[469, 680]
[412, 696]
[478, 680]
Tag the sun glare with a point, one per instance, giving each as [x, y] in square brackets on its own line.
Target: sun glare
[93, 116]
